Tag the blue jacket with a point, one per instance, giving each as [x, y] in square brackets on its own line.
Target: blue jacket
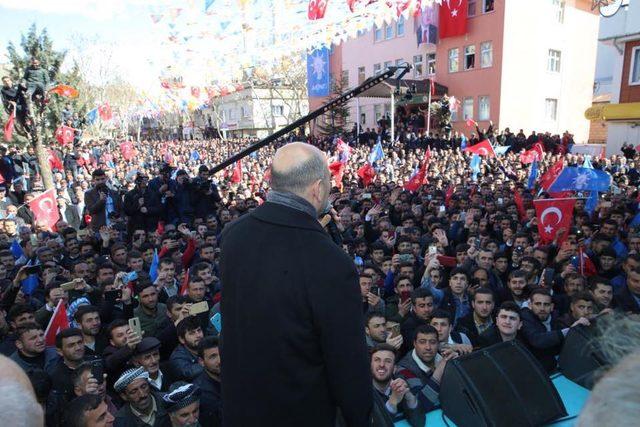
[184, 365]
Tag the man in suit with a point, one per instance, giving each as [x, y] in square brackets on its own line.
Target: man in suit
[101, 201]
[627, 298]
[542, 332]
[290, 292]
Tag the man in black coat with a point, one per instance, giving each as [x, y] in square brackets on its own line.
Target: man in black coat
[294, 346]
[100, 200]
[627, 298]
[541, 330]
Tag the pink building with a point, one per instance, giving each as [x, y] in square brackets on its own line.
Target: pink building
[523, 64]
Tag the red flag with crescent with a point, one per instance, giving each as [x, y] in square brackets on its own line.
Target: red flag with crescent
[8, 127]
[45, 208]
[105, 112]
[551, 174]
[553, 215]
[483, 148]
[316, 9]
[65, 134]
[367, 173]
[65, 90]
[58, 322]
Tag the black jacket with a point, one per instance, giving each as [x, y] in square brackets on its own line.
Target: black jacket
[210, 401]
[545, 345]
[299, 303]
[126, 418]
[625, 301]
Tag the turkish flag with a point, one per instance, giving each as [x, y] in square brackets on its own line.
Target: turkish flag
[8, 127]
[65, 134]
[184, 287]
[105, 112]
[551, 174]
[195, 91]
[367, 173]
[66, 91]
[553, 215]
[359, 4]
[517, 199]
[420, 177]
[316, 9]
[535, 154]
[54, 160]
[449, 194]
[453, 18]
[126, 148]
[337, 171]
[58, 322]
[471, 123]
[483, 148]
[45, 208]
[236, 176]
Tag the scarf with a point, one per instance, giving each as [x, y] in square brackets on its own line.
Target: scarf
[293, 201]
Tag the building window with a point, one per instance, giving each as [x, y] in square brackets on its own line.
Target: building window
[361, 75]
[387, 64]
[483, 108]
[363, 118]
[377, 34]
[387, 110]
[634, 72]
[388, 32]
[471, 8]
[467, 108]
[488, 6]
[553, 62]
[417, 66]
[469, 57]
[558, 6]
[453, 60]
[400, 26]
[245, 111]
[345, 78]
[377, 111]
[377, 69]
[277, 110]
[551, 109]
[454, 115]
[486, 54]
[431, 63]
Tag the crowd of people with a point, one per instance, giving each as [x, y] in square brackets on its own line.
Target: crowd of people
[443, 270]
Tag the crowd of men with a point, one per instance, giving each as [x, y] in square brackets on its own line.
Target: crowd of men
[443, 271]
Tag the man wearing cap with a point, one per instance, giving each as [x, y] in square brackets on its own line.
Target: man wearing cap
[183, 404]
[144, 406]
[147, 356]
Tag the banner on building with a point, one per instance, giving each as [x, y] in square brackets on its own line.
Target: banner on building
[318, 80]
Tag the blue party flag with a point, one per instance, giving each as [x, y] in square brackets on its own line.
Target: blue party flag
[92, 116]
[475, 166]
[533, 175]
[16, 249]
[592, 202]
[501, 149]
[574, 178]
[153, 270]
[376, 154]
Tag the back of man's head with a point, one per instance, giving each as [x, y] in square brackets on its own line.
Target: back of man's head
[18, 404]
[296, 166]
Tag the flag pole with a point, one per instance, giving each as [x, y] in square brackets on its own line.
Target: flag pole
[429, 109]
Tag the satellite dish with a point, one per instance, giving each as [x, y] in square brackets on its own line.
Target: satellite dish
[610, 8]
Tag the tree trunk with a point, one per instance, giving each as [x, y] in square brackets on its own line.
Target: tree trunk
[43, 161]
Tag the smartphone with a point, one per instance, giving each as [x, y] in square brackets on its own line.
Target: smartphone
[548, 275]
[500, 201]
[606, 204]
[130, 277]
[33, 269]
[199, 307]
[476, 243]
[405, 258]
[442, 208]
[134, 324]
[216, 321]
[97, 370]
[69, 286]
[113, 295]
[433, 250]
[404, 296]
[376, 291]
[394, 330]
[447, 261]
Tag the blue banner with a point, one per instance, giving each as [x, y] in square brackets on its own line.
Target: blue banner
[318, 81]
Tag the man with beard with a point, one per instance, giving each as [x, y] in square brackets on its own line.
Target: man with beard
[152, 314]
[423, 367]
[420, 314]
[394, 394]
[147, 355]
[517, 288]
[101, 201]
[144, 407]
[184, 359]
[209, 383]
[312, 347]
[480, 319]
[88, 318]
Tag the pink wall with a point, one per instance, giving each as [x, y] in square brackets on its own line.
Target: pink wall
[479, 81]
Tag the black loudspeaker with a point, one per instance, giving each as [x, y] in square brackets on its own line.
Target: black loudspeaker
[501, 385]
[581, 358]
